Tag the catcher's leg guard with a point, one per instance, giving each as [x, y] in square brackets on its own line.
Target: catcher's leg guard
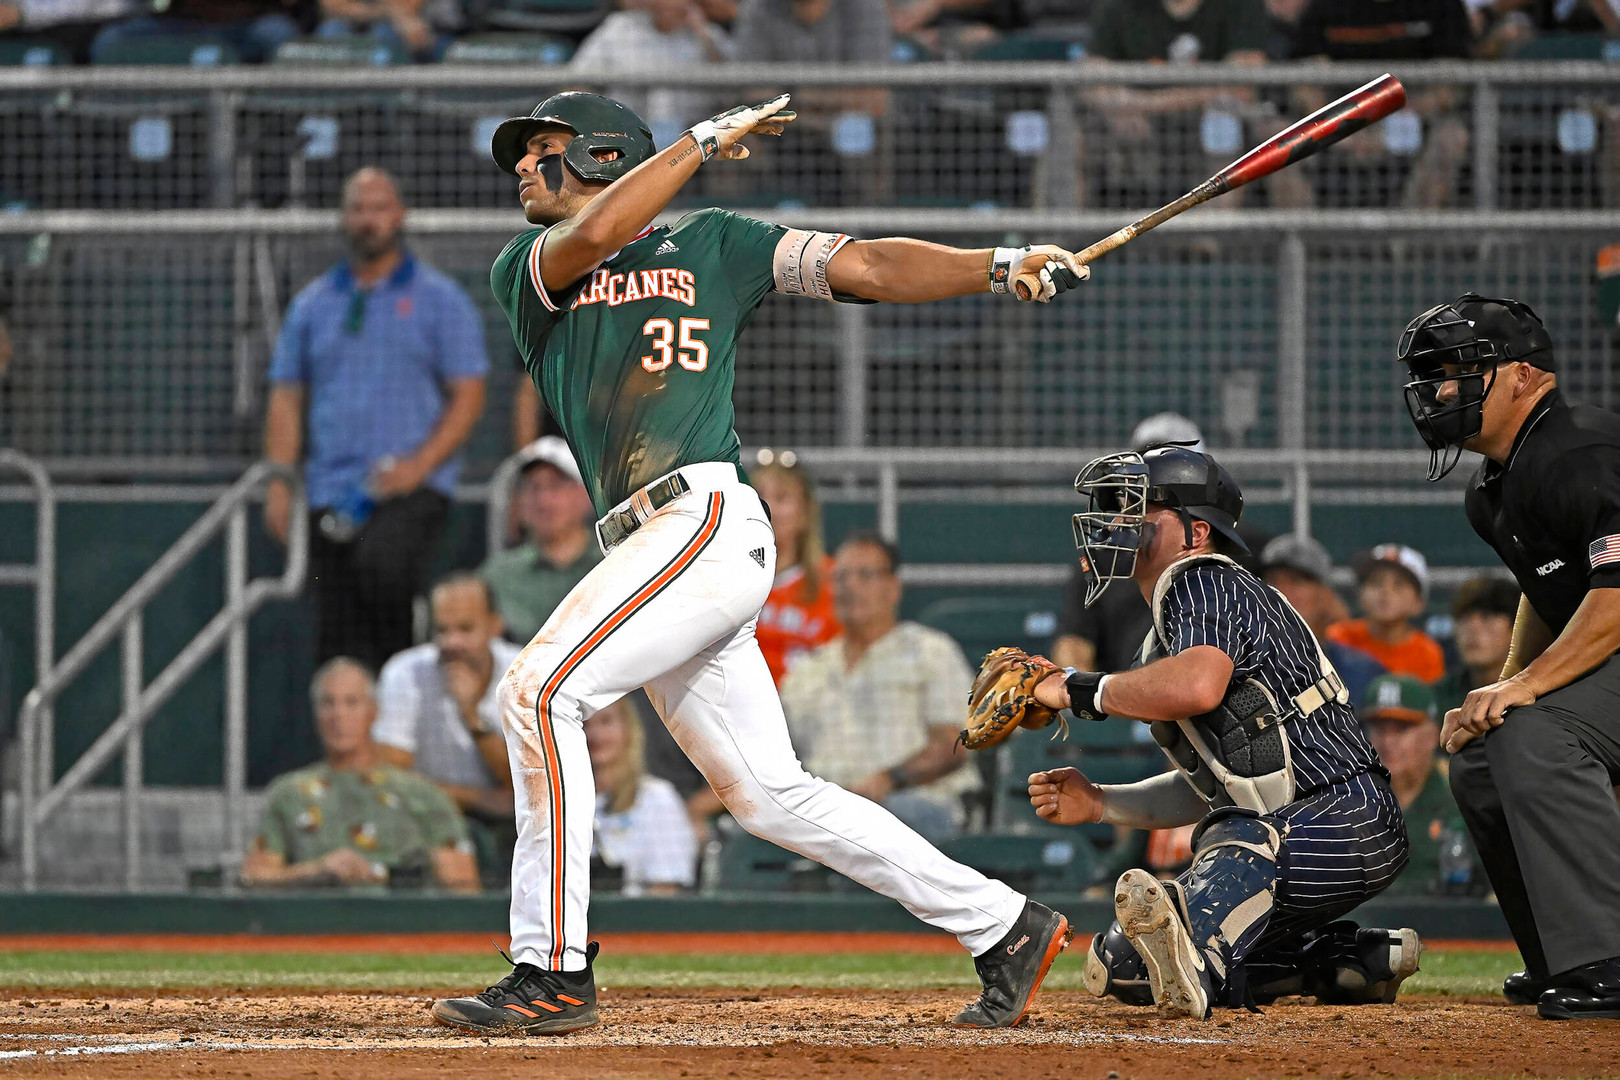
[1229, 890]
[1113, 969]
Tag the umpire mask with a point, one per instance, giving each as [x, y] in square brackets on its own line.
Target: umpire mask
[1453, 352]
[1113, 527]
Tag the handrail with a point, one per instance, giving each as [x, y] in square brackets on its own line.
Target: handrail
[124, 620]
[42, 574]
[526, 79]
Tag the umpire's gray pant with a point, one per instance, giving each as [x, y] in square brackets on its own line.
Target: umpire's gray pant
[1538, 797]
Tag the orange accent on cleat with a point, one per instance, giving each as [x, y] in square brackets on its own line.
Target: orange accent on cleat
[571, 1001]
[546, 1005]
[521, 1009]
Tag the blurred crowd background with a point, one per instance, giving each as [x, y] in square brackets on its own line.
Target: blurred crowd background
[212, 206]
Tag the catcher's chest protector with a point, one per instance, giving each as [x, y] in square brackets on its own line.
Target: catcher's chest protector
[1237, 754]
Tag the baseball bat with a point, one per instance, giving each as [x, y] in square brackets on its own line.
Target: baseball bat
[1324, 127]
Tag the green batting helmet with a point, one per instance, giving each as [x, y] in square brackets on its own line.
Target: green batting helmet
[598, 124]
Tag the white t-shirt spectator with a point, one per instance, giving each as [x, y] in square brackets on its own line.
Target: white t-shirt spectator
[416, 714]
[652, 842]
[630, 41]
[848, 724]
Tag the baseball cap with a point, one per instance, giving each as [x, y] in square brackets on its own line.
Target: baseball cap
[1399, 697]
[1167, 427]
[1516, 330]
[1408, 559]
[549, 450]
[1300, 554]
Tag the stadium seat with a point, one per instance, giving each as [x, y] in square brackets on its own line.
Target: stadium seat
[749, 864]
[1565, 47]
[539, 50]
[181, 49]
[543, 16]
[20, 52]
[338, 52]
[1031, 45]
[980, 624]
[1044, 863]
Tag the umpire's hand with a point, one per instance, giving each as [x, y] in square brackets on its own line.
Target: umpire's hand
[1482, 710]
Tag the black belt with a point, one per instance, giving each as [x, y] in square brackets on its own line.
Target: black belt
[617, 525]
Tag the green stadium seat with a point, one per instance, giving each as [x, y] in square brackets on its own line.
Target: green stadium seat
[982, 623]
[749, 864]
[1047, 863]
[20, 52]
[338, 52]
[544, 16]
[540, 50]
[178, 49]
[1564, 47]
[1031, 45]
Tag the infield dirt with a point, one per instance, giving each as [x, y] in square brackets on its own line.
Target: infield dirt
[854, 1035]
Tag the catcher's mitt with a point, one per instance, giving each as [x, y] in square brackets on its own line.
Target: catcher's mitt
[1003, 698]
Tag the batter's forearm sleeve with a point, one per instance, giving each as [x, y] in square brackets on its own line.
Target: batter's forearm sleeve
[1159, 802]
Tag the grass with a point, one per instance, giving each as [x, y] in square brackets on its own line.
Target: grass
[1452, 972]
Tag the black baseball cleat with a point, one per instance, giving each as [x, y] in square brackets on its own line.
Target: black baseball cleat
[1589, 992]
[1013, 968]
[1522, 988]
[530, 1001]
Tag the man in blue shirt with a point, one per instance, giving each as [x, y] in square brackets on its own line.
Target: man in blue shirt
[386, 355]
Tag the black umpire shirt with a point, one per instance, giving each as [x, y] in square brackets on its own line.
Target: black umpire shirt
[1552, 512]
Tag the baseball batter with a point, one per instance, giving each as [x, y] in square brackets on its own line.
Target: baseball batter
[630, 332]
[1296, 821]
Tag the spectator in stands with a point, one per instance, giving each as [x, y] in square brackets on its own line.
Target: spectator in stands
[1153, 141]
[798, 615]
[650, 35]
[1384, 30]
[836, 154]
[1394, 589]
[1404, 725]
[388, 355]
[353, 819]
[877, 709]
[559, 546]
[1483, 610]
[254, 28]
[436, 702]
[1301, 569]
[65, 25]
[419, 29]
[645, 845]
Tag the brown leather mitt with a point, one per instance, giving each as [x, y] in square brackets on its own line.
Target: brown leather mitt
[1003, 698]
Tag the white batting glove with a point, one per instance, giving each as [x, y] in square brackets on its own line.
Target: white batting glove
[719, 136]
[1046, 270]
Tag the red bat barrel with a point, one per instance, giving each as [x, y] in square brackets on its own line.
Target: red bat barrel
[1322, 128]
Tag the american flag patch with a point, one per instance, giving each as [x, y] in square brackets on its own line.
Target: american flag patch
[1605, 551]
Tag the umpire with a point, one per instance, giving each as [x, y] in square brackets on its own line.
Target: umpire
[1536, 754]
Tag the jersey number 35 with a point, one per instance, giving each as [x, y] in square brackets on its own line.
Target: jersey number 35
[693, 354]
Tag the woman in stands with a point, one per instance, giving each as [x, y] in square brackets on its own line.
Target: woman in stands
[798, 614]
[644, 844]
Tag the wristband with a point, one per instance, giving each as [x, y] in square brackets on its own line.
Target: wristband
[1004, 263]
[706, 133]
[898, 779]
[1083, 688]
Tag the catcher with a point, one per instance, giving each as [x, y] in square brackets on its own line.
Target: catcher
[1296, 821]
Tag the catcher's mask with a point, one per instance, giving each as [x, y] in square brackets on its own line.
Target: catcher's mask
[599, 124]
[1453, 352]
[1118, 488]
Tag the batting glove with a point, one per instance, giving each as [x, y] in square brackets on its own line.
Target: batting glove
[719, 136]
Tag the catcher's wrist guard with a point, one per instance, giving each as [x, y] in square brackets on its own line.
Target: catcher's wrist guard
[1084, 688]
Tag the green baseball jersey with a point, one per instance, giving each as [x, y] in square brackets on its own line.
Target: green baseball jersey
[637, 360]
[392, 816]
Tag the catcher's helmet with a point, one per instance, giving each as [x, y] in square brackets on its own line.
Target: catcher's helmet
[1460, 345]
[598, 124]
[1119, 487]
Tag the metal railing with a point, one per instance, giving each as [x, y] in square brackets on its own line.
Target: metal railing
[40, 575]
[124, 621]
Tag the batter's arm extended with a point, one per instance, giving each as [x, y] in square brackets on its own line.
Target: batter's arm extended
[575, 247]
[900, 270]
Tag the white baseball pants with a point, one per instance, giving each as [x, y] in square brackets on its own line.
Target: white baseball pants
[672, 608]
